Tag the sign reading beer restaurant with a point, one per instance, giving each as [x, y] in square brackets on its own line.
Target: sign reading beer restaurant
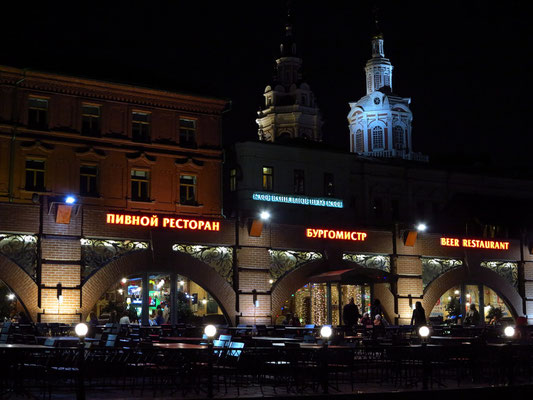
[155, 221]
[334, 234]
[474, 243]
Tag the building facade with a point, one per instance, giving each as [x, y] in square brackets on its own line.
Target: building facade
[146, 156]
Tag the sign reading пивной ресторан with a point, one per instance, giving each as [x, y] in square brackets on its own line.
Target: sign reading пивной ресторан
[300, 200]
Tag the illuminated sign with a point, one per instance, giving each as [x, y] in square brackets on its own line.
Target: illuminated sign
[165, 222]
[474, 243]
[337, 235]
[301, 200]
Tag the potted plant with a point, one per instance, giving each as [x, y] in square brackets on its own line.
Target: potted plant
[494, 315]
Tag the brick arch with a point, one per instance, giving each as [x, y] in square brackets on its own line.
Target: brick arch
[140, 262]
[482, 276]
[293, 281]
[20, 283]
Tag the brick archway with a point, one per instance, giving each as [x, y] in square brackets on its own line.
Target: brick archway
[20, 283]
[293, 281]
[482, 276]
[140, 262]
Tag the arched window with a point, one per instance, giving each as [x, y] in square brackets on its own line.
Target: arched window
[377, 81]
[377, 138]
[359, 146]
[397, 138]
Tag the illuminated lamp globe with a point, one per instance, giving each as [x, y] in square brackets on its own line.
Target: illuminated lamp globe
[124, 280]
[11, 296]
[210, 331]
[423, 331]
[265, 215]
[326, 331]
[81, 329]
[509, 331]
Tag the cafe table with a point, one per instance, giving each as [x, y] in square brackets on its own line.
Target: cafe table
[180, 346]
[181, 339]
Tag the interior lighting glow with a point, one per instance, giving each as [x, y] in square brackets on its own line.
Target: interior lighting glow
[124, 280]
[11, 296]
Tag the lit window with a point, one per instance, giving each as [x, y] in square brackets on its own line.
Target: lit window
[359, 145]
[188, 189]
[88, 180]
[37, 113]
[268, 178]
[233, 179]
[140, 185]
[35, 175]
[187, 132]
[140, 126]
[90, 120]
[329, 186]
[299, 181]
[397, 137]
[377, 138]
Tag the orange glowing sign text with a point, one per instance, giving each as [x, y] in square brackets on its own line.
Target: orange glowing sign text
[474, 243]
[337, 235]
[165, 222]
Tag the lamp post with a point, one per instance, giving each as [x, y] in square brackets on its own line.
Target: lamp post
[81, 330]
[424, 334]
[509, 333]
[325, 333]
[210, 331]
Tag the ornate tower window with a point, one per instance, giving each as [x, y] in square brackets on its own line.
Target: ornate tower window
[397, 138]
[377, 138]
[359, 146]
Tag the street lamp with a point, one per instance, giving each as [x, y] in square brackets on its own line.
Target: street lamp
[325, 332]
[210, 331]
[265, 215]
[421, 227]
[81, 330]
[424, 334]
[509, 332]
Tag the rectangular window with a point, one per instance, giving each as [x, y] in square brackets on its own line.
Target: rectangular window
[35, 175]
[329, 186]
[187, 132]
[268, 178]
[88, 180]
[140, 127]
[233, 179]
[140, 185]
[37, 113]
[188, 190]
[299, 181]
[90, 120]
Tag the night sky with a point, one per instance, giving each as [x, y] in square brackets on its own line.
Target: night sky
[466, 65]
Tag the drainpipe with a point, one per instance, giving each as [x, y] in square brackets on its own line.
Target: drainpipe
[15, 116]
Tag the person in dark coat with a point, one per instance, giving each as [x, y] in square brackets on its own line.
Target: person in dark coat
[350, 314]
[419, 315]
[376, 309]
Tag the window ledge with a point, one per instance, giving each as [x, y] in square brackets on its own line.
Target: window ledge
[196, 205]
[150, 201]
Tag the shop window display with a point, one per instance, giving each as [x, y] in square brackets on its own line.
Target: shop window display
[193, 303]
[453, 305]
[316, 303]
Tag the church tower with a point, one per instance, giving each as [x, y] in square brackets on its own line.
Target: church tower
[290, 110]
[380, 122]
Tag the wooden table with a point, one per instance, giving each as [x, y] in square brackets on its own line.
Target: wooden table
[178, 339]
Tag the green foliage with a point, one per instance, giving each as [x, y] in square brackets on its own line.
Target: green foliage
[453, 308]
[495, 313]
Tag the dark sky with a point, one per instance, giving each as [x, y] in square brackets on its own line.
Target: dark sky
[465, 64]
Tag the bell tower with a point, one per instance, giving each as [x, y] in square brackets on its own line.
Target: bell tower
[380, 122]
[290, 109]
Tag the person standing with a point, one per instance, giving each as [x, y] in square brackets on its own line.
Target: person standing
[376, 309]
[350, 314]
[419, 315]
